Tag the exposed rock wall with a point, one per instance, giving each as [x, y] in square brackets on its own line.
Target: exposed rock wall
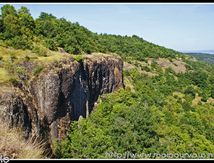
[61, 94]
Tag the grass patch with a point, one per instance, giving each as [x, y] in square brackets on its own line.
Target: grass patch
[4, 76]
[14, 146]
[12, 59]
[37, 70]
[51, 58]
[41, 51]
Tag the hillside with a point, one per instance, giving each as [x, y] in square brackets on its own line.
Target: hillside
[89, 95]
[19, 30]
[155, 115]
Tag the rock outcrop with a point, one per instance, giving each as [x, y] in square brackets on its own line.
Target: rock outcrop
[60, 94]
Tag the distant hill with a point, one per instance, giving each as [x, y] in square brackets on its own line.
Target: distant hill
[199, 51]
[203, 56]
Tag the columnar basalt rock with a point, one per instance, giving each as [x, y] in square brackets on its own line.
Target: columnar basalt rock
[61, 94]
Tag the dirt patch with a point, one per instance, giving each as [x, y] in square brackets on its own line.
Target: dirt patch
[178, 66]
[196, 101]
[210, 100]
[128, 66]
[150, 74]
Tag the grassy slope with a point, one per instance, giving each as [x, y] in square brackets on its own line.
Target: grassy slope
[13, 145]
[16, 63]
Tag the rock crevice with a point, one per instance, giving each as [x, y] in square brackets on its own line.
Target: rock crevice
[62, 94]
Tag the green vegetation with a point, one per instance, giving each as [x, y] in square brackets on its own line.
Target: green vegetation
[159, 111]
[78, 58]
[26, 33]
[151, 119]
[25, 41]
[3, 76]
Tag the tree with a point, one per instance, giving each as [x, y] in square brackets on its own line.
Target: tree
[26, 21]
[7, 10]
[1, 25]
[46, 25]
[10, 21]
[199, 78]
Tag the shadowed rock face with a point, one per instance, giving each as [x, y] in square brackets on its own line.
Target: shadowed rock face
[14, 111]
[62, 94]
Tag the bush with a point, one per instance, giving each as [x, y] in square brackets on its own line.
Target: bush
[88, 51]
[40, 50]
[76, 51]
[190, 91]
[20, 42]
[51, 44]
[199, 78]
[212, 92]
[145, 68]
[78, 58]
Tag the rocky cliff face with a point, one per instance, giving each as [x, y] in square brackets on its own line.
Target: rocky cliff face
[61, 94]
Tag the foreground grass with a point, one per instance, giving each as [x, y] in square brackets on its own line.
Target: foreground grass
[13, 145]
[16, 62]
[4, 77]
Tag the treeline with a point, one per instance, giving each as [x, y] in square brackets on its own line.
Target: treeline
[18, 29]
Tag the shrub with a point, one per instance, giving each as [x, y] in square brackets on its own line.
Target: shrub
[199, 78]
[212, 92]
[20, 42]
[147, 69]
[51, 44]
[40, 50]
[190, 91]
[78, 58]
[88, 51]
[77, 51]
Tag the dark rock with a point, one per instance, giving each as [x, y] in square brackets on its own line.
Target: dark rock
[14, 111]
[63, 94]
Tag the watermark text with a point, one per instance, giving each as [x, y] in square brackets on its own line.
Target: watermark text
[4, 159]
[130, 155]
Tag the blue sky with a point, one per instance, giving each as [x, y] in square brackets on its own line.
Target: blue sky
[182, 27]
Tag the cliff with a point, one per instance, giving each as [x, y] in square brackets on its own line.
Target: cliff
[60, 94]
